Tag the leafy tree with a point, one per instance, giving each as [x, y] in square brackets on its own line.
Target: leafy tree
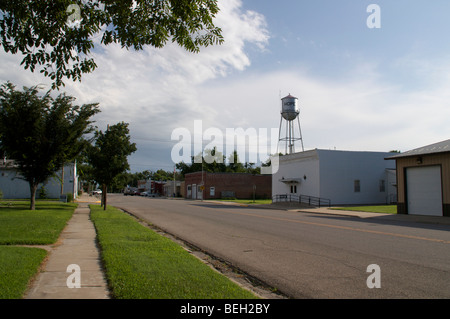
[214, 162]
[250, 168]
[162, 175]
[235, 164]
[41, 133]
[108, 156]
[58, 34]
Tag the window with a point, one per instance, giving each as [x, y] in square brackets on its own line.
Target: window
[293, 189]
[357, 186]
[382, 186]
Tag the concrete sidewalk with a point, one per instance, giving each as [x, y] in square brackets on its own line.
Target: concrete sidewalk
[76, 246]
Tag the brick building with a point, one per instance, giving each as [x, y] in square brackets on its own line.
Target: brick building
[206, 185]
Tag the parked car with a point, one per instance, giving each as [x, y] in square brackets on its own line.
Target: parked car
[97, 192]
[130, 191]
[152, 195]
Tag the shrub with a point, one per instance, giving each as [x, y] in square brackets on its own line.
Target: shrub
[43, 193]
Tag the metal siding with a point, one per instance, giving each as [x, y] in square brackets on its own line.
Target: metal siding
[424, 190]
[442, 159]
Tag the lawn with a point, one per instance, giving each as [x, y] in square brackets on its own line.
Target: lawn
[20, 226]
[385, 209]
[248, 201]
[141, 264]
[17, 266]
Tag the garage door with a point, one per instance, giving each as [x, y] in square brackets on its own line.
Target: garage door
[424, 190]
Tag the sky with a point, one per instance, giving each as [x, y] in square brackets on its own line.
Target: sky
[359, 88]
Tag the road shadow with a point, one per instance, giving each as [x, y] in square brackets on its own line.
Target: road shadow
[410, 221]
[422, 222]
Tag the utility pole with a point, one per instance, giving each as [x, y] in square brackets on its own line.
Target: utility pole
[174, 182]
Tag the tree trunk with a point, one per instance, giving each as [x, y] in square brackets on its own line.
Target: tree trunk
[33, 189]
[104, 190]
[62, 180]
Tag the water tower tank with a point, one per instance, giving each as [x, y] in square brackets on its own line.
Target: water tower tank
[289, 108]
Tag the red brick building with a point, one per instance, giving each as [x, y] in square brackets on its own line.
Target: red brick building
[205, 185]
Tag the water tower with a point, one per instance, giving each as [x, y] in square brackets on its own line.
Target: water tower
[290, 116]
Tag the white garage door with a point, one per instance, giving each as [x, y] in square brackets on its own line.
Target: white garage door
[424, 190]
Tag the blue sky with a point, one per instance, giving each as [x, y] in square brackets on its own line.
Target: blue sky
[331, 37]
[359, 88]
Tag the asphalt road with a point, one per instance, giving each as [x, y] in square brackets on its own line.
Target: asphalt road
[307, 255]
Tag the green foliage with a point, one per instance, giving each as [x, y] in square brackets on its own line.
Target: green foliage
[58, 35]
[141, 264]
[42, 193]
[41, 133]
[109, 156]
[162, 175]
[215, 162]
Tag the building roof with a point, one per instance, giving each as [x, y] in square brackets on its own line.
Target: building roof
[435, 148]
[289, 97]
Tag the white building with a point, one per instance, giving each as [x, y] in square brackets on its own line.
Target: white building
[14, 187]
[343, 177]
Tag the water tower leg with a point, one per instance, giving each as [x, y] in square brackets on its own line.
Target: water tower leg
[286, 138]
[300, 130]
[279, 134]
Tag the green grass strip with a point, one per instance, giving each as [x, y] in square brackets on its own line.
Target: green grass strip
[21, 226]
[17, 266]
[141, 264]
[247, 201]
[385, 209]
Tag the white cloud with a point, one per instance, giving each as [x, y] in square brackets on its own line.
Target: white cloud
[361, 113]
[158, 90]
[155, 90]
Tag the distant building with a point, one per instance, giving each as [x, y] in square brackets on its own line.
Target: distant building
[174, 189]
[423, 176]
[144, 185]
[204, 185]
[14, 187]
[342, 177]
[158, 187]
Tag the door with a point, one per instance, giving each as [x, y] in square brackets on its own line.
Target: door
[424, 190]
[189, 191]
[200, 191]
[194, 191]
